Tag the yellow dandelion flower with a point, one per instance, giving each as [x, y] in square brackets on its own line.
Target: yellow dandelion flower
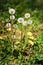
[32, 37]
[9, 29]
[31, 42]
[1, 37]
[17, 42]
[29, 33]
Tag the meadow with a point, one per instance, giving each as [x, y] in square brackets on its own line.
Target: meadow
[21, 34]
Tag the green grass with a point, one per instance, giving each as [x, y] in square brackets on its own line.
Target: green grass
[24, 54]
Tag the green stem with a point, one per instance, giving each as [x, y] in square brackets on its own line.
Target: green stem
[25, 34]
[21, 33]
[12, 31]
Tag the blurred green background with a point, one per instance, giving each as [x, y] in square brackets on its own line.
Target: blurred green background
[21, 7]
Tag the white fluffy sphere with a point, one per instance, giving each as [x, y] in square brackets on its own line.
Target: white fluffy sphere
[11, 11]
[20, 20]
[29, 21]
[12, 17]
[24, 23]
[27, 15]
[13, 37]
[8, 25]
[15, 26]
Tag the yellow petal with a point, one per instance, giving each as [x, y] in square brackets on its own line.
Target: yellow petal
[32, 38]
[9, 29]
[1, 37]
[31, 42]
[29, 33]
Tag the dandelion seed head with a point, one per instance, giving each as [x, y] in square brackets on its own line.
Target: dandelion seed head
[15, 26]
[13, 36]
[11, 11]
[29, 21]
[7, 20]
[24, 23]
[12, 17]
[8, 25]
[27, 15]
[20, 20]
